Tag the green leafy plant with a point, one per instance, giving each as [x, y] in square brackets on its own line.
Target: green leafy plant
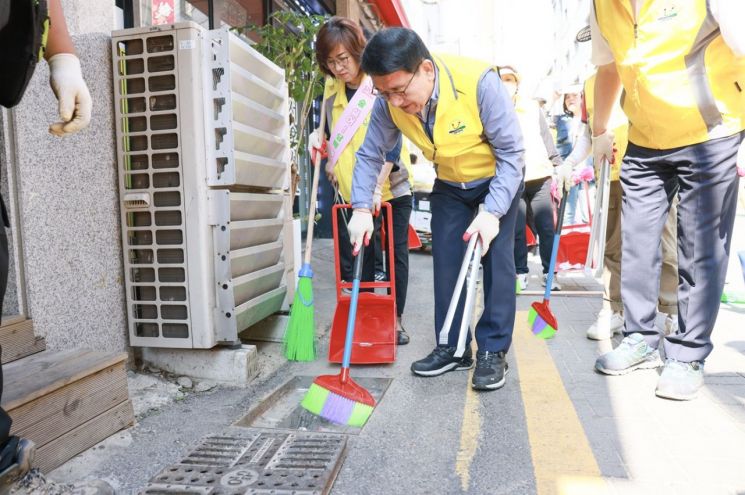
[288, 41]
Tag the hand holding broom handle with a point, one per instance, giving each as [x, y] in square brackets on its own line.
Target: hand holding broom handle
[314, 190]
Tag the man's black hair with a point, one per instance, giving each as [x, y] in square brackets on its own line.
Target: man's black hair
[393, 49]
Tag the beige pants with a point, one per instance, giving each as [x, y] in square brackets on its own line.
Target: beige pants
[667, 299]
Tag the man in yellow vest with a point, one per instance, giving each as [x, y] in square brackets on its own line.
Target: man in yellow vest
[458, 112]
[610, 318]
[682, 67]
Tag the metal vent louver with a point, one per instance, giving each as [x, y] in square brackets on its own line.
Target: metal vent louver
[201, 120]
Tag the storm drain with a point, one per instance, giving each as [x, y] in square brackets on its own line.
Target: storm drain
[255, 461]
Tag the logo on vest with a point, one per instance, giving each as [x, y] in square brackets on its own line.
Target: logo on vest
[668, 13]
[456, 127]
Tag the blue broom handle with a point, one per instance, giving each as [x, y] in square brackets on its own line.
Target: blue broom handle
[353, 309]
[555, 249]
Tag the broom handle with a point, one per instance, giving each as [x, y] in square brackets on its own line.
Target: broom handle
[314, 190]
[555, 249]
[352, 316]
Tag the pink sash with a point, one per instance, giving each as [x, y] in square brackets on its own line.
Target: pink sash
[351, 120]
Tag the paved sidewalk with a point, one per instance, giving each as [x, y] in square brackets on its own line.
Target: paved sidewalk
[556, 427]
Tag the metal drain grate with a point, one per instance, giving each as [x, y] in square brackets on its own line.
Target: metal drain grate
[255, 461]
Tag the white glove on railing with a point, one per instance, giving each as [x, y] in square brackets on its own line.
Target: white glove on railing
[602, 148]
[360, 228]
[377, 198]
[564, 177]
[487, 225]
[66, 80]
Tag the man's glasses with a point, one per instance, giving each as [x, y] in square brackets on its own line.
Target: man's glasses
[387, 95]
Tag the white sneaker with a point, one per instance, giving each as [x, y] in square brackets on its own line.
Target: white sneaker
[671, 324]
[522, 280]
[608, 323]
[555, 285]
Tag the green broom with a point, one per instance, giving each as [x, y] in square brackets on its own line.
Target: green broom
[300, 338]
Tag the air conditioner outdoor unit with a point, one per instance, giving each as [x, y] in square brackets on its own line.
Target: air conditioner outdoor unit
[203, 151]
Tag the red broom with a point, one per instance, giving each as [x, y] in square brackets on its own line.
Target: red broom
[337, 398]
[540, 318]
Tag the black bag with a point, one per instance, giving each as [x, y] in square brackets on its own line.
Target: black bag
[22, 42]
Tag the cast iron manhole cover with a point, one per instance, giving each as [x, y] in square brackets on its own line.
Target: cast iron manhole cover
[255, 461]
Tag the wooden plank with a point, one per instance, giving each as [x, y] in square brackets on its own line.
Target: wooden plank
[12, 320]
[85, 436]
[18, 340]
[42, 374]
[55, 414]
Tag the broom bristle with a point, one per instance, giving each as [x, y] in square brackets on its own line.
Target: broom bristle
[539, 326]
[299, 340]
[335, 408]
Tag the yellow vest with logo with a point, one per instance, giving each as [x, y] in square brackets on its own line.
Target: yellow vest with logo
[345, 165]
[537, 163]
[682, 84]
[460, 151]
[617, 122]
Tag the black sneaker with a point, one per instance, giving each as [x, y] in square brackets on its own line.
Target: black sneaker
[441, 360]
[491, 368]
[402, 337]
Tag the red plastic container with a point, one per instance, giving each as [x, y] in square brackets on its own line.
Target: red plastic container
[574, 241]
[375, 324]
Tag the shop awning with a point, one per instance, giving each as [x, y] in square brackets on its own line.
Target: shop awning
[392, 13]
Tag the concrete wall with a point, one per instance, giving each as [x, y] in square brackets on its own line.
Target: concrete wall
[69, 211]
[89, 16]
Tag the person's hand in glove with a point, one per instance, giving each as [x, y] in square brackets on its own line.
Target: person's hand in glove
[487, 226]
[602, 148]
[360, 228]
[377, 199]
[564, 178]
[66, 80]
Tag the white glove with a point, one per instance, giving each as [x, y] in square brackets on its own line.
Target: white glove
[314, 141]
[564, 177]
[602, 148]
[66, 80]
[360, 228]
[741, 159]
[377, 198]
[487, 225]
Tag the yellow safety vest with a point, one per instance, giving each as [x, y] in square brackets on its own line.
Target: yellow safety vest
[345, 165]
[617, 122]
[537, 163]
[682, 84]
[460, 151]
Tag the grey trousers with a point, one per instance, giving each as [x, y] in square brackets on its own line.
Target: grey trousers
[704, 177]
[667, 300]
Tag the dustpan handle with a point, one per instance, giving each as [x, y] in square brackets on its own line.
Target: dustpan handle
[469, 305]
[353, 309]
[445, 330]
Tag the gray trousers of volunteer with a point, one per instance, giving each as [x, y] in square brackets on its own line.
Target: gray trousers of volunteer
[453, 209]
[704, 177]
